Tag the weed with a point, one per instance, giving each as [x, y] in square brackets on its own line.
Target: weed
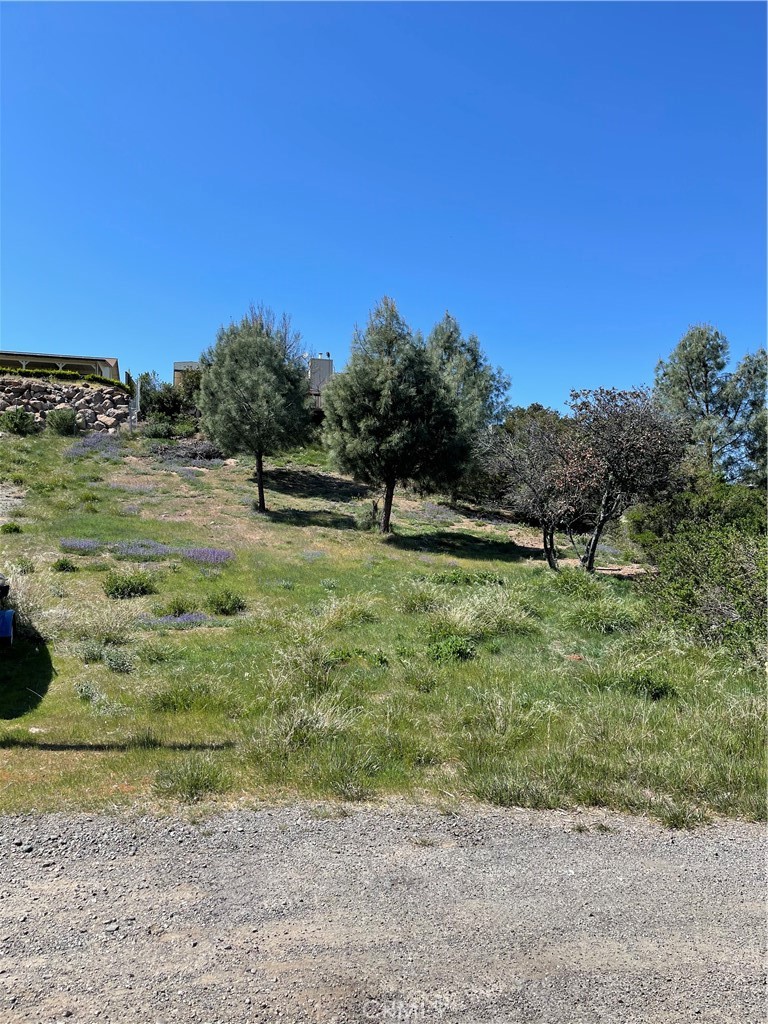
[123, 585]
[191, 778]
[24, 566]
[577, 583]
[603, 614]
[451, 648]
[62, 422]
[225, 602]
[187, 695]
[64, 564]
[91, 651]
[11, 528]
[118, 660]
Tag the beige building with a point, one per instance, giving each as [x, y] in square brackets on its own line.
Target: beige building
[102, 366]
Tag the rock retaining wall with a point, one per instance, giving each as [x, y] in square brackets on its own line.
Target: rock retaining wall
[97, 407]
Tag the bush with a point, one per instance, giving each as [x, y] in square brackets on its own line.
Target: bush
[16, 421]
[65, 375]
[91, 651]
[121, 585]
[158, 426]
[64, 565]
[10, 528]
[61, 422]
[118, 660]
[452, 648]
[577, 583]
[368, 516]
[225, 602]
[24, 566]
[712, 582]
[711, 506]
[176, 606]
[604, 614]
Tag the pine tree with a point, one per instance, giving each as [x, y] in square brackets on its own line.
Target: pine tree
[254, 389]
[389, 417]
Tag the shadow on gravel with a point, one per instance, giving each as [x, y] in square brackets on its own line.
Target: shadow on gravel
[26, 671]
[305, 483]
[466, 545]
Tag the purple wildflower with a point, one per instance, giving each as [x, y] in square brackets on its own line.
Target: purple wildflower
[141, 549]
[177, 621]
[83, 547]
[205, 556]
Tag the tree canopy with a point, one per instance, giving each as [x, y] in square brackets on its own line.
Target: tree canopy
[254, 388]
[389, 417]
[724, 411]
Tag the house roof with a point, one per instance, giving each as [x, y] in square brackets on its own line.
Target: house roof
[57, 355]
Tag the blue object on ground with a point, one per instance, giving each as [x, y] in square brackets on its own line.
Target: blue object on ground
[6, 626]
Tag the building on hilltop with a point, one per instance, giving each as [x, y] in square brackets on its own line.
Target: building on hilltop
[179, 369]
[102, 366]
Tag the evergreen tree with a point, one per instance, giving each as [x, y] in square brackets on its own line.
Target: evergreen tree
[724, 411]
[254, 389]
[477, 391]
[389, 417]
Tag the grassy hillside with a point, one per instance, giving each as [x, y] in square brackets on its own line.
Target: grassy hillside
[445, 662]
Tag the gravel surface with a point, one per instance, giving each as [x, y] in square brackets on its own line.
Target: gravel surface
[380, 915]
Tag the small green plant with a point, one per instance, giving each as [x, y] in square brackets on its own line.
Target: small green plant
[91, 651]
[118, 660]
[176, 606]
[64, 565]
[122, 585]
[191, 778]
[17, 421]
[368, 516]
[62, 422]
[452, 648]
[186, 695]
[577, 583]
[225, 602]
[10, 528]
[603, 614]
[24, 566]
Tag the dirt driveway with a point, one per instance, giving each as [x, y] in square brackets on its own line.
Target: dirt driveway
[381, 915]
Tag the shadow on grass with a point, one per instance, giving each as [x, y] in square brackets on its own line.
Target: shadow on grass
[32, 743]
[26, 671]
[312, 517]
[466, 545]
[307, 483]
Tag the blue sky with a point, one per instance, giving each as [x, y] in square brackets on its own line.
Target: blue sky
[574, 182]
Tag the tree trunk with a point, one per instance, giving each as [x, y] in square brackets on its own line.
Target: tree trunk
[262, 506]
[389, 494]
[549, 547]
[588, 558]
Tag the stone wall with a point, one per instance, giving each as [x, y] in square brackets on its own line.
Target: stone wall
[97, 406]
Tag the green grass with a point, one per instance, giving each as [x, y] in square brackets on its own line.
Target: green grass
[447, 662]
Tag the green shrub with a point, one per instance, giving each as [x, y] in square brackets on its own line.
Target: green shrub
[91, 651]
[17, 421]
[61, 422]
[451, 648]
[368, 516]
[64, 565]
[118, 660]
[225, 602]
[191, 778]
[65, 375]
[712, 505]
[24, 566]
[176, 606]
[121, 585]
[10, 528]
[159, 427]
[712, 582]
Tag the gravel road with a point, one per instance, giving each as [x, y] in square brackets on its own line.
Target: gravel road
[380, 915]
